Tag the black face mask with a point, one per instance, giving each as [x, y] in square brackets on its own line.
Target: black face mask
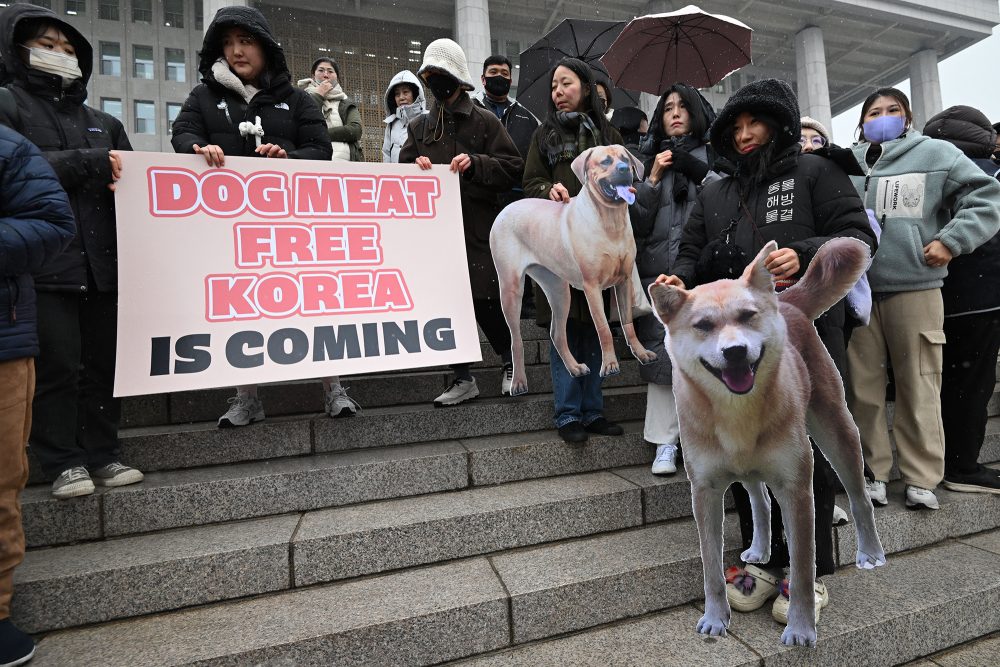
[442, 86]
[497, 86]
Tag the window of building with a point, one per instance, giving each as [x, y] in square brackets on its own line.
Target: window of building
[173, 13]
[199, 15]
[143, 62]
[175, 65]
[145, 117]
[173, 108]
[76, 7]
[108, 10]
[111, 59]
[113, 106]
[42, 3]
[142, 11]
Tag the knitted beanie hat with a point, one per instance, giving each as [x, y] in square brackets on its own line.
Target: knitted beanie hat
[814, 124]
[772, 98]
[446, 55]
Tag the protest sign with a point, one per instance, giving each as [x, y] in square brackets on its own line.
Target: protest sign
[268, 270]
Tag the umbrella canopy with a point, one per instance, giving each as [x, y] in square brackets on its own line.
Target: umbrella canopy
[688, 45]
[584, 39]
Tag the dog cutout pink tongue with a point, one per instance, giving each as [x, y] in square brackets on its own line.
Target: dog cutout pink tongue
[739, 380]
[625, 192]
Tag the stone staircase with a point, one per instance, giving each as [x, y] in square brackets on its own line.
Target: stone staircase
[414, 536]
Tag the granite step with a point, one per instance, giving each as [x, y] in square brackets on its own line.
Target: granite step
[82, 584]
[420, 616]
[921, 603]
[211, 494]
[203, 444]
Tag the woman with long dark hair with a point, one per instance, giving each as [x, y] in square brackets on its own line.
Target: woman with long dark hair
[574, 123]
[676, 157]
[933, 204]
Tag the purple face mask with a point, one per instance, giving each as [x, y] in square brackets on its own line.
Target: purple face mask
[884, 128]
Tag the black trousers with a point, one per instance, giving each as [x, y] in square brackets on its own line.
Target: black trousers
[831, 329]
[75, 417]
[967, 382]
[489, 316]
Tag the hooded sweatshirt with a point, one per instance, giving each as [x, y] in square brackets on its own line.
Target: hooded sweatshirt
[225, 112]
[400, 116]
[75, 139]
[922, 190]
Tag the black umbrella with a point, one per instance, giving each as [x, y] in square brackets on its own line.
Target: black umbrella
[584, 39]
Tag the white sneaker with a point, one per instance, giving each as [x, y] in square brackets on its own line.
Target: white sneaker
[839, 516]
[507, 380]
[876, 491]
[779, 610]
[73, 482]
[459, 392]
[917, 498]
[339, 404]
[243, 410]
[665, 462]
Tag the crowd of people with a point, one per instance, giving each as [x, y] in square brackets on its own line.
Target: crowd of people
[716, 188]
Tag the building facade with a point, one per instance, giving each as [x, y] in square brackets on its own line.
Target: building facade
[833, 52]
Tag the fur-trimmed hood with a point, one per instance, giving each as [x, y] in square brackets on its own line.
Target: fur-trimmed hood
[770, 97]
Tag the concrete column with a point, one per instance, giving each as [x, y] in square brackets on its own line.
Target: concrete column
[925, 87]
[810, 73]
[472, 32]
[212, 6]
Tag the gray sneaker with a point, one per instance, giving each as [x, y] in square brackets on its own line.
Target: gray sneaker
[459, 392]
[73, 482]
[339, 404]
[507, 379]
[116, 474]
[243, 410]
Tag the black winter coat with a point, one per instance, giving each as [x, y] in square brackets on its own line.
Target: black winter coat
[76, 140]
[804, 201]
[36, 223]
[214, 110]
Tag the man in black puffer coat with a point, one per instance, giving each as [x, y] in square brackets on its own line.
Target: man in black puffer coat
[971, 321]
[239, 111]
[46, 66]
[799, 200]
[36, 224]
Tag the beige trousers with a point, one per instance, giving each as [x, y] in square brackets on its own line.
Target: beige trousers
[910, 327]
[17, 386]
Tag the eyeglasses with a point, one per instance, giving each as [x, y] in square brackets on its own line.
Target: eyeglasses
[815, 142]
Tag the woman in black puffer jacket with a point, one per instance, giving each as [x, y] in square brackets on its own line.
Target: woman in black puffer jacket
[246, 104]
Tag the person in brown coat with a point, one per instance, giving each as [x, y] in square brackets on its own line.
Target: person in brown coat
[472, 141]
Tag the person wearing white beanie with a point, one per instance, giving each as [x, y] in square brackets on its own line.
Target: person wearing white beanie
[814, 135]
[475, 145]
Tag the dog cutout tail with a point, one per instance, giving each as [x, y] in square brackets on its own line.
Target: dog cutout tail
[837, 266]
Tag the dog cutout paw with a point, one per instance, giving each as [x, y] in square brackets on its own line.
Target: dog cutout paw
[754, 555]
[518, 388]
[866, 561]
[610, 368]
[712, 625]
[646, 357]
[795, 636]
[578, 370]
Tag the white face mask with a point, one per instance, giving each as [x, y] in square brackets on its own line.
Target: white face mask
[54, 62]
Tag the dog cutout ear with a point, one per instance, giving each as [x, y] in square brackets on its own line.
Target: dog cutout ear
[579, 165]
[637, 168]
[756, 274]
[667, 301]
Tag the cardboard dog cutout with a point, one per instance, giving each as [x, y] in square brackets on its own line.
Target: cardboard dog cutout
[751, 378]
[586, 243]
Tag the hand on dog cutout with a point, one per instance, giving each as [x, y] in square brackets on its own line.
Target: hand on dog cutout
[782, 263]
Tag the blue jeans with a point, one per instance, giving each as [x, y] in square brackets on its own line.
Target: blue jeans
[577, 399]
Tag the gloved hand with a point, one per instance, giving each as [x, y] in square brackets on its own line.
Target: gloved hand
[690, 166]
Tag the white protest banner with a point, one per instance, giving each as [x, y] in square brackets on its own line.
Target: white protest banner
[270, 270]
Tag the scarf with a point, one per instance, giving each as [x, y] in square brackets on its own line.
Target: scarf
[225, 76]
[577, 133]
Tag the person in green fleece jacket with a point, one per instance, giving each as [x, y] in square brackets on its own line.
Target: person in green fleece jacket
[933, 204]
